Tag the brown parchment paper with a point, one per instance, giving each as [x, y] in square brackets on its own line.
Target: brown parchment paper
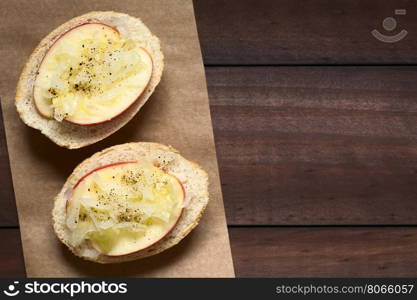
[177, 114]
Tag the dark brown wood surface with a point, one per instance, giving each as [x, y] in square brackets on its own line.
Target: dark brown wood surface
[302, 145]
[304, 32]
[316, 145]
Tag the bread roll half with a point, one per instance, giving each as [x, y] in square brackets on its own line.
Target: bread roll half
[193, 179]
[70, 135]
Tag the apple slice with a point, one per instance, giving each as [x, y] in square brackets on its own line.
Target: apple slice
[124, 208]
[90, 75]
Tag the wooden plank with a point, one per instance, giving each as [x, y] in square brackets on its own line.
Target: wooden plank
[8, 214]
[324, 252]
[12, 264]
[304, 32]
[316, 145]
[293, 252]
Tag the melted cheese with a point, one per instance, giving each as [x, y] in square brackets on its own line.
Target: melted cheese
[124, 208]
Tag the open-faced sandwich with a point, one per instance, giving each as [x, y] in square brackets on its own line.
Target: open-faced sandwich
[129, 201]
[89, 77]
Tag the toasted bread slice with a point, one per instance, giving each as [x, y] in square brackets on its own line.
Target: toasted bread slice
[70, 135]
[191, 176]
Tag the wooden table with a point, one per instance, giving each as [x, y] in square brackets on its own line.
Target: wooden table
[315, 124]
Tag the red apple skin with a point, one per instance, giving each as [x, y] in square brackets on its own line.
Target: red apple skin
[122, 112]
[123, 255]
[103, 167]
[39, 112]
[59, 37]
[169, 231]
[105, 121]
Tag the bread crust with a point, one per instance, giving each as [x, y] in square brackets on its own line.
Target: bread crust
[193, 178]
[74, 136]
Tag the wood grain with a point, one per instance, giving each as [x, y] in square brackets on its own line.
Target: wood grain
[303, 32]
[316, 145]
[8, 214]
[293, 252]
[302, 145]
[324, 252]
[11, 257]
